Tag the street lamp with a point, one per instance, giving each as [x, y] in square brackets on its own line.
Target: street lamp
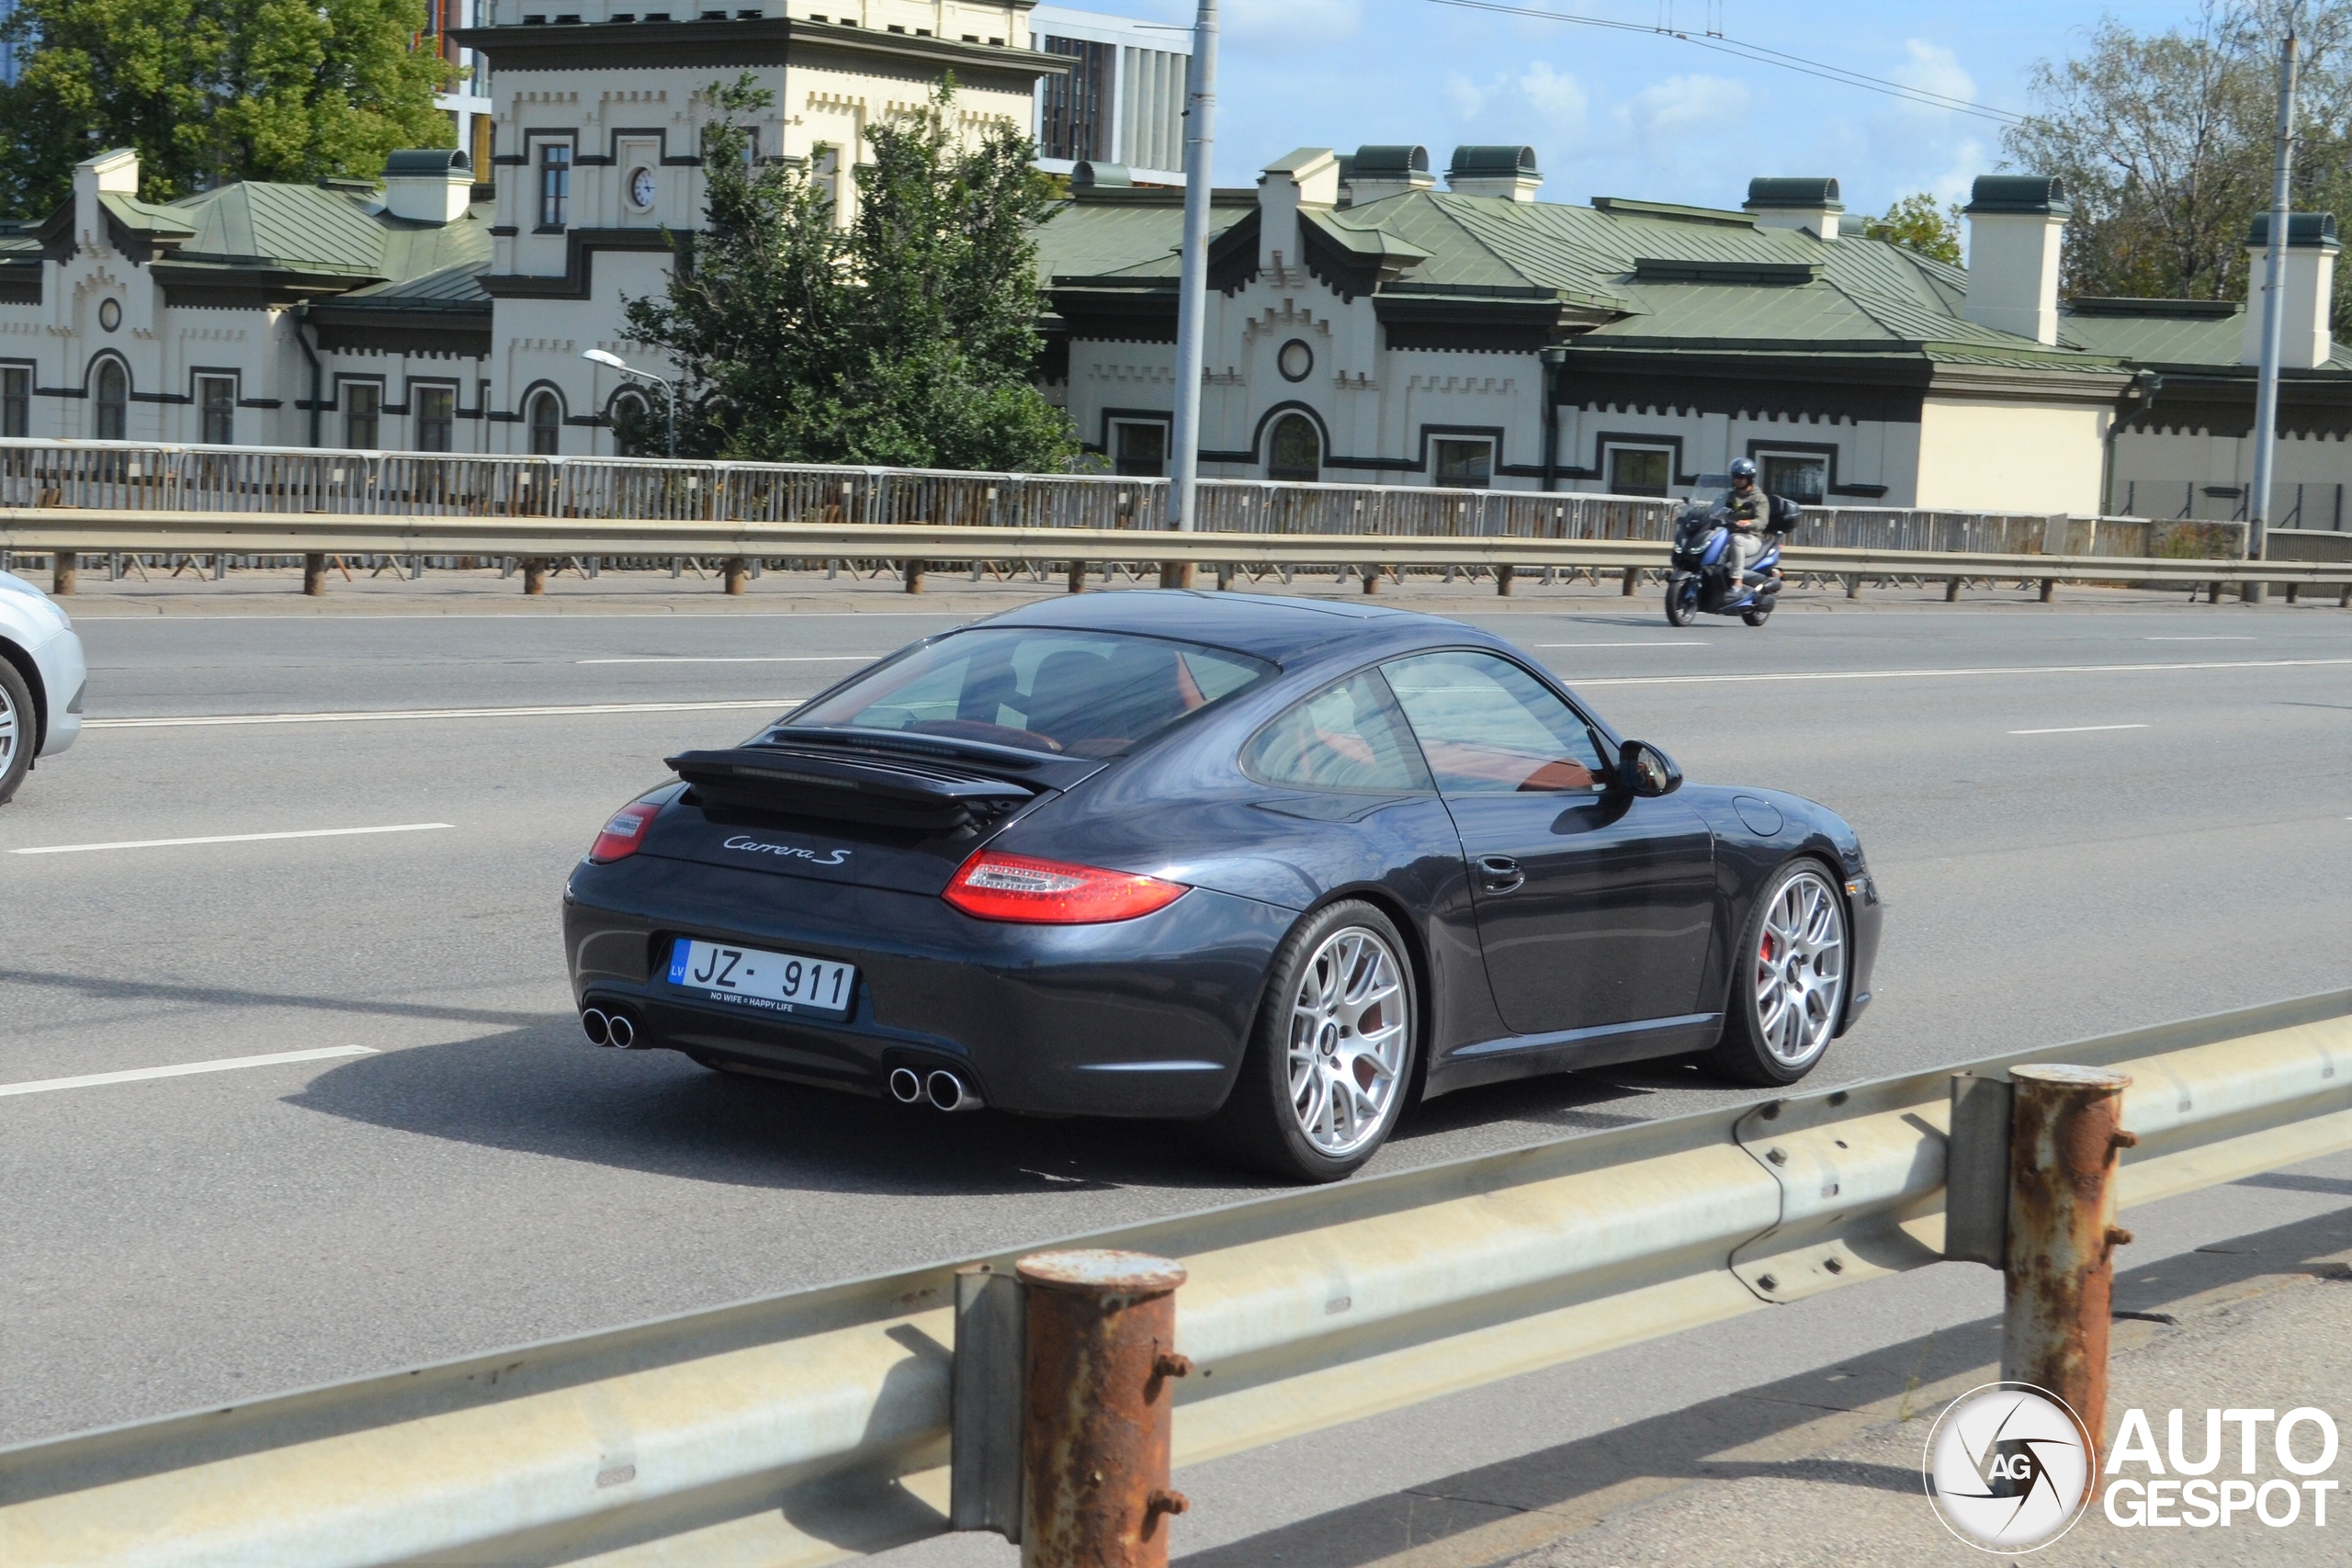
[669, 392]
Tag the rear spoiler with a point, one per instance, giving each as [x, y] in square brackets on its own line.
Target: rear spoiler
[886, 792]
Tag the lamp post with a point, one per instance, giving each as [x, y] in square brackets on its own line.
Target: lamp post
[2274, 312]
[1191, 298]
[669, 392]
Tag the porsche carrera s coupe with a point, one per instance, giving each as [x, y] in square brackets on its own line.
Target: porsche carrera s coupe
[1283, 866]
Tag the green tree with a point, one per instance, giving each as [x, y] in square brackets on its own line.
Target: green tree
[1916, 223]
[908, 338]
[2165, 141]
[209, 92]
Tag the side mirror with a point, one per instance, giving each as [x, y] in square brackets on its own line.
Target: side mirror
[1644, 770]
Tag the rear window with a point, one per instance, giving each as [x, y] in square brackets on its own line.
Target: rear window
[1083, 693]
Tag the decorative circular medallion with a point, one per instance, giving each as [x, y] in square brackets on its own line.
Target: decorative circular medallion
[110, 314]
[642, 188]
[1294, 360]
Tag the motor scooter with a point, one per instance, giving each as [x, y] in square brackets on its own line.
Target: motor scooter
[1699, 581]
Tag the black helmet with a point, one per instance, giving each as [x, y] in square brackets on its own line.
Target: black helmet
[1744, 469]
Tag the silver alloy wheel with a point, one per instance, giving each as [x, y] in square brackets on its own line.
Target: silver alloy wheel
[1800, 969]
[1348, 1036]
[11, 732]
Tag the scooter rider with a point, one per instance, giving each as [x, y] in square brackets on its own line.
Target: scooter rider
[1748, 510]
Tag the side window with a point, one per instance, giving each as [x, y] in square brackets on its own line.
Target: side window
[1350, 737]
[1489, 727]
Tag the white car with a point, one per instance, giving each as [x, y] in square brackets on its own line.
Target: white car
[41, 680]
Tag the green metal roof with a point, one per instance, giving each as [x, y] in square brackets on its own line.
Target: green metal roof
[2172, 332]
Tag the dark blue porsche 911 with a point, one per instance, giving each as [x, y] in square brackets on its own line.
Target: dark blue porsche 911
[1286, 866]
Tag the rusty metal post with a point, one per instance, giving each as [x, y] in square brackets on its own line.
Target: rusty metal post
[2049, 588]
[1100, 1327]
[915, 570]
[64, 571]
[2065, 1131]
[733, 573]
[1503, 576]
[1633, 581]
[535, 574]
[314, 573]
[1176, 574]
[1952, 591]
[1077, 576]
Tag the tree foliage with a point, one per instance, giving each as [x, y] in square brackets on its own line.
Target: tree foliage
[2165, 141]
[907, 338]
[209, 92]
[1916, 223]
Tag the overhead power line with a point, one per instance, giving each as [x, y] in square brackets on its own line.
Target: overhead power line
[1759, 54]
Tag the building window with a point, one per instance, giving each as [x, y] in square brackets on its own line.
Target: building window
[1295, 449]
[1070, 121]
[436, 417]
[555, 184]
[113, 398]
[216, 397]
[1639, 470]
[1802, 476]
[16, 402]
[547, 424]
[363, 414]
[1139, 448]
[1463, 465]
[628, 414]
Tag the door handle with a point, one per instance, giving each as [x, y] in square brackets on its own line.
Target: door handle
[1501, 874]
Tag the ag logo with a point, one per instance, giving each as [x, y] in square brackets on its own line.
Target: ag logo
[2007, 1468]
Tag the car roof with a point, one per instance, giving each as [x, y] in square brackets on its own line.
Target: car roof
[1272, 626]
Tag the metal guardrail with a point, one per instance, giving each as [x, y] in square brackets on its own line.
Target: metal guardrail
[125, 530]
[814, 1427]
[130, 475]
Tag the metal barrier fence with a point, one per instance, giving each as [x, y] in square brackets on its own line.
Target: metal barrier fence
[129, 476]
[818, 1425]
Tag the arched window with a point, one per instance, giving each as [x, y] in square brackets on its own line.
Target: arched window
[547, 424]
[112, 395]
[1293, 449]
[628, 413]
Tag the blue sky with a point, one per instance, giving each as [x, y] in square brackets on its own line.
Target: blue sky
[1638, 114]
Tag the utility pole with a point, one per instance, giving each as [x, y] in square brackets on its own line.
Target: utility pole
[1193, 287]
[2274, 316]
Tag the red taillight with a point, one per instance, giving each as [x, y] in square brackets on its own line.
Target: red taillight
[623, 835]
[993, 886]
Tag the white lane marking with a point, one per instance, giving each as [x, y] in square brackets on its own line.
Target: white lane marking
[231, 839]
[1930, 675]
[2196, 640]
[771, 704]
[2079, 729]
[763, 658]
[1656, 643]
[224, 1064]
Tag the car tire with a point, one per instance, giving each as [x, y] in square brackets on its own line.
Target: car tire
[20, 731]
[1342, 977]
[1788, 997]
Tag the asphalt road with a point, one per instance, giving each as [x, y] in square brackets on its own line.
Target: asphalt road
[2085, 819]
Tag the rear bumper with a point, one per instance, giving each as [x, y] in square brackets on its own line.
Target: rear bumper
[1145, 1017]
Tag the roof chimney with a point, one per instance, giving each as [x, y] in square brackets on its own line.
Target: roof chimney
[1807, 204]
[1308, 176]
[2304, 342]
[2015, 225]
[428, 184]
[1377, 172]
[1507, 172]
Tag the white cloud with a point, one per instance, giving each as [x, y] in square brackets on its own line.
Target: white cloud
[1293, 21]
[1687, 110]
[1466, 95]
[1556, 94]
[1932, 68]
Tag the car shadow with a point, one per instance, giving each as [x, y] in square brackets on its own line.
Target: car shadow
[537, 1092]
[540, 1090]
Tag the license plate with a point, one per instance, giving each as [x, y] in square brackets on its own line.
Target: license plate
[763, 982]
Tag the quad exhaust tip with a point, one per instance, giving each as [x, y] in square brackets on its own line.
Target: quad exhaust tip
[609, 1029]
[947, 1091]
[906, 1086]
